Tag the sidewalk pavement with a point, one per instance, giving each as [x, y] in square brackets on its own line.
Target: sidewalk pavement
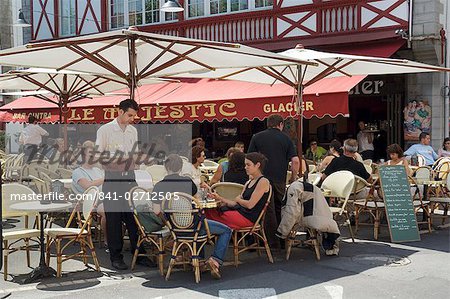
[364, 269]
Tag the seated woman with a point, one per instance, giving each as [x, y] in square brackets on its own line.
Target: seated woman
[395, 154]
[173, 182]
[334, 152]
[244, 210]
[236, 172]
[87, 175]
[192, 169]
[223, 167]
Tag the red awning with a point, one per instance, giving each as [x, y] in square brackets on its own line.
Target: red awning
[383, 49]
[199, 100]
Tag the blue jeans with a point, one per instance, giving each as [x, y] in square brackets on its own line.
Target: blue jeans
[223, 233]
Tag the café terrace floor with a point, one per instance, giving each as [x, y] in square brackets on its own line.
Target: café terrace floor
[366, 268]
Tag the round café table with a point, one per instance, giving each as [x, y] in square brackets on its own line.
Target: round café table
[42, 270]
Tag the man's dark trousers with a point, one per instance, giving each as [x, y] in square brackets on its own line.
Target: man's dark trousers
[118, 184]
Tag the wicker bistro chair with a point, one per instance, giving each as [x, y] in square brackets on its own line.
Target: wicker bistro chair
[228, 190]
[257, 230]
[340, 184]
[11, 238]
[441, 201]
[157, 239]
[420, 204]
[184, 221]
[370, 205]
[313, 240]
[81, 235]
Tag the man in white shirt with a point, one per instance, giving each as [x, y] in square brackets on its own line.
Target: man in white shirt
[365, 142]
[31, 138]
[118, 138]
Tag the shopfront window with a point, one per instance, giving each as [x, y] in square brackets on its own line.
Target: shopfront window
[67, 20]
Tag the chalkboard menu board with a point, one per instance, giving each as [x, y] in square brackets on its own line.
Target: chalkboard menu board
[399, 205]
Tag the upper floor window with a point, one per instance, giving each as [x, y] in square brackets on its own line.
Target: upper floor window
[200, 8]
[237, 5]
[117, 13]
[67, 13]
[125, 13]
[135, 12]
[263, 3]
[151, 11]
[196, 8]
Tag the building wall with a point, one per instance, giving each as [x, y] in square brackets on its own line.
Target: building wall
[427, 21]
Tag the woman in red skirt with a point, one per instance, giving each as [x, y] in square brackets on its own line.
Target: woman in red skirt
[244, 210]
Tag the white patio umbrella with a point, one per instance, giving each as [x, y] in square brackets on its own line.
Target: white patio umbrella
[329, 65]
[68, 86]
[133, 55]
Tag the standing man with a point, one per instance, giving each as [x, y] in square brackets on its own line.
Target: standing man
[279, 150]
[423, 148]
[365, 142]
[119, 138]
[31, 138]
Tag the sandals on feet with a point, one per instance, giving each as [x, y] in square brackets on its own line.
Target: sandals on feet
[214, 268]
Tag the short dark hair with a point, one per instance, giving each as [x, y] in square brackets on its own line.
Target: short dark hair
[257, 158]
[395, 149]
[173, 163]
[274, 120]
[337, 145]
[423, 135]
[239, 143]
[446, 139]
[31, 119]
[237, 162]
[196, 152]
[127, 104]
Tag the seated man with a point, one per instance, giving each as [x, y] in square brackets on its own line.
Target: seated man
[88, 175]
[348, 161]
[423, 148]
[305, 206]
[173, 182]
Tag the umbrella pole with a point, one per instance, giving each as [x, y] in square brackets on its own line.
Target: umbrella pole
[132, 61]
[300, 118]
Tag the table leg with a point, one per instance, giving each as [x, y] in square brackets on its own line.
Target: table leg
[42, 271]
[424, 198]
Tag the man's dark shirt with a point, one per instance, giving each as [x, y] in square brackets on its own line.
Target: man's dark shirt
[278, 149]
[347, 163]
[174, 183]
